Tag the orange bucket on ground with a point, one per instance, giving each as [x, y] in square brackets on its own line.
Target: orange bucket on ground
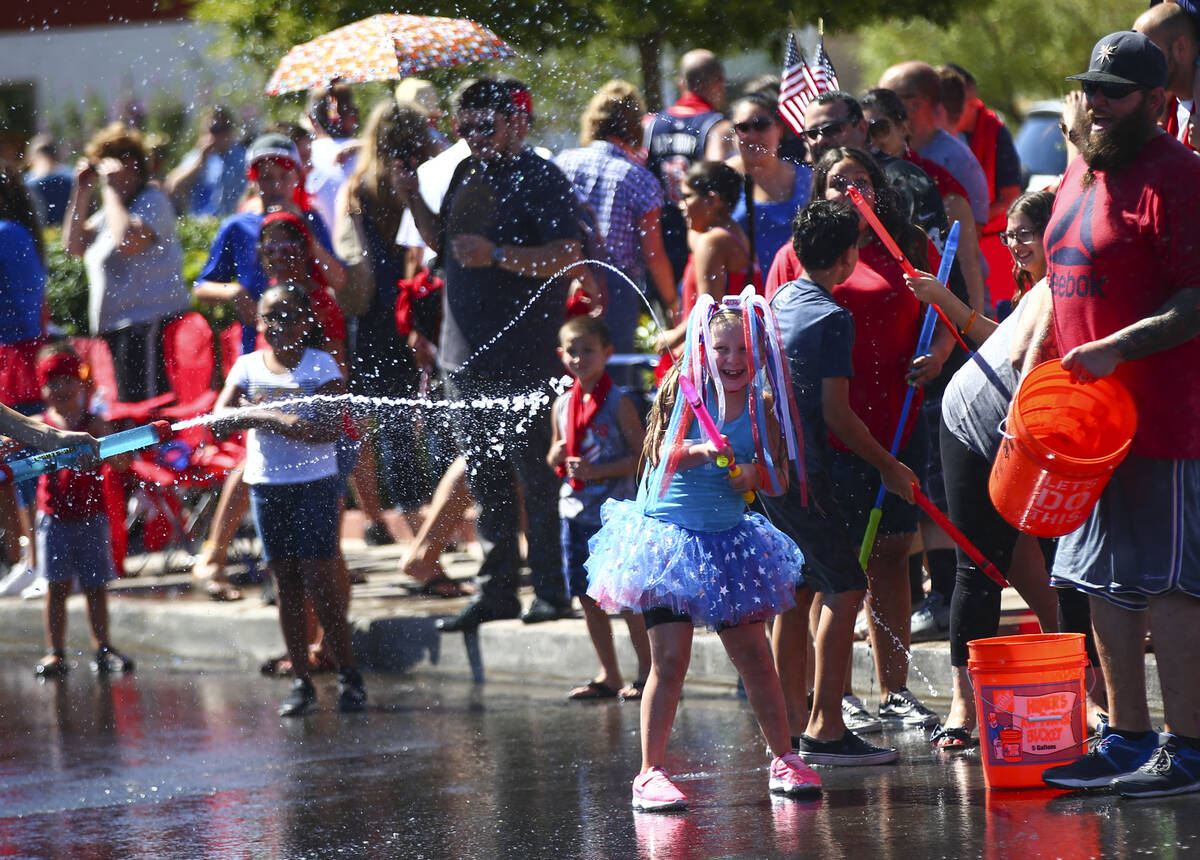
[1063, 442]
[1031, 704]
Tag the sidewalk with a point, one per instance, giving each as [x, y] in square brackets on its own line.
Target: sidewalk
[395, 630]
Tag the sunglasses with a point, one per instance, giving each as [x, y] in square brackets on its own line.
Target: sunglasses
[282, 318]
[1112, 92]
[484, 128]
[829, 129]
[281, 248]
[758, 123]
[880, 127]
[844, 184]
[1024, 236]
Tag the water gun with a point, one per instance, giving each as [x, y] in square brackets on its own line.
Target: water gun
[692, 396]
[923, 341]
[67, 458]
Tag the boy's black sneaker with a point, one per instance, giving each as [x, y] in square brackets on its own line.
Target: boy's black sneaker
[352, 692]
[300, 701]
[110, 661]
[849, 750]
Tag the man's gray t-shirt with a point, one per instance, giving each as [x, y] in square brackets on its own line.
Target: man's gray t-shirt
[954, 155]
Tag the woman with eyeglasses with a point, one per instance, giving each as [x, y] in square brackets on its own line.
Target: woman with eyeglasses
[774, 189]
[887, 321]
[973, 408]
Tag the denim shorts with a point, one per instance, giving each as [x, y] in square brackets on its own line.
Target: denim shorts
[297, 520]
[348, 453]
[819, 529]
[856, 484]
[575, 537]
[74, 549]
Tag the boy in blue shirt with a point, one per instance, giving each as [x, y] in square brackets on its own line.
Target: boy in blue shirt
[818, 336]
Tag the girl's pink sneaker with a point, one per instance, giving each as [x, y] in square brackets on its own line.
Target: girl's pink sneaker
[653, 791]
[791, 776]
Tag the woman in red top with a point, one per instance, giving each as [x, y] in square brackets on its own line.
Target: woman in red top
[887, 321]
[720, 263]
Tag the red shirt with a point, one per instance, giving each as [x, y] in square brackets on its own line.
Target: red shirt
[68, 494]
[887, 323]
[1117, 251]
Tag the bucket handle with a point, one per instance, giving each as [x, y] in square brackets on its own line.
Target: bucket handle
[1001, 427]
[1082, 703]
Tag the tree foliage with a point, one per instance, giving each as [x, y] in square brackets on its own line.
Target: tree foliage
[261, 31]
[1018, 50]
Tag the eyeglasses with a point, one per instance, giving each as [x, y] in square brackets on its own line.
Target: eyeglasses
[844, 184]
[758, 123]
[483, 128]
[1024, 236]
[1112, 92]
[879, 127]
[828, 129]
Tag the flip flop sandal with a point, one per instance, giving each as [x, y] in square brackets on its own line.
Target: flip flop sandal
[593, 690]
[957, 738]
[277, 667]
[444, 587]
[53, 665]
[222, 592]
[633, 692]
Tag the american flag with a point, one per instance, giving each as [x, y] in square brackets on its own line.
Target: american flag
[797, 87]
[824, 74]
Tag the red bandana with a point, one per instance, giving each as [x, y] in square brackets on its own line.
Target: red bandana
[579, 416]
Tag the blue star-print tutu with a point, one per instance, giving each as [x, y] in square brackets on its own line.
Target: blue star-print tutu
[744, 574]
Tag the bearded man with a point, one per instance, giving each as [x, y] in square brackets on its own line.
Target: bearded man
[1124, 271]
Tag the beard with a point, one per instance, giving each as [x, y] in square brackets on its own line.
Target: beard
[1115, 148]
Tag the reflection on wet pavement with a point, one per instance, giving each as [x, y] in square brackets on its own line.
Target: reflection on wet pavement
[179, 761]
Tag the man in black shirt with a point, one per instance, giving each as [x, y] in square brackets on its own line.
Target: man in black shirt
[508, 223]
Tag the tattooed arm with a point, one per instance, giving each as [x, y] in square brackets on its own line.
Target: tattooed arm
[1176, 322]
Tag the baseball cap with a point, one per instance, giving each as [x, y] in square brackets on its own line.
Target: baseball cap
[57, 364]
[1126, 57]
[275, 146]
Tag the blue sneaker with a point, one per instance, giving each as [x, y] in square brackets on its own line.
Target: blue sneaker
[1173, 769]
[1110, 756]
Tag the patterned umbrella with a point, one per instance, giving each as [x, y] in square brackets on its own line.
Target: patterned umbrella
[385, 48]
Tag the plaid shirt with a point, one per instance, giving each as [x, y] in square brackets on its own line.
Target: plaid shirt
[620, 192]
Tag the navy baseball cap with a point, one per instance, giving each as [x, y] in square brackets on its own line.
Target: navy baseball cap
[1126, 57]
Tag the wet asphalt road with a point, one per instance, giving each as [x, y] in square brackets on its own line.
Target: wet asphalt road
[182, 761]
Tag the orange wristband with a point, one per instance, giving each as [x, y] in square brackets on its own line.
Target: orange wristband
[970, 322]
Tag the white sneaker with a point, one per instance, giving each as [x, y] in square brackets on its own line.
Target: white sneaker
[857, 718]
[36, 589]
[20, 576]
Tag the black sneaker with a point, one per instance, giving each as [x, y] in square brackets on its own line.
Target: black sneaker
[1110, 756]
[480, 612]
[543, 610]
[377, 534]
[1173, 769]
[352, 692]
[110, 661]
[300, 701]
[906, 709]
[849, 750]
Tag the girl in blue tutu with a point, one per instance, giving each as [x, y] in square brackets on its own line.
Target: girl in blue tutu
[686, 550]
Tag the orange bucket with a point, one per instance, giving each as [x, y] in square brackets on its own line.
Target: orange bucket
[1064, 439]
[1030, 701]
